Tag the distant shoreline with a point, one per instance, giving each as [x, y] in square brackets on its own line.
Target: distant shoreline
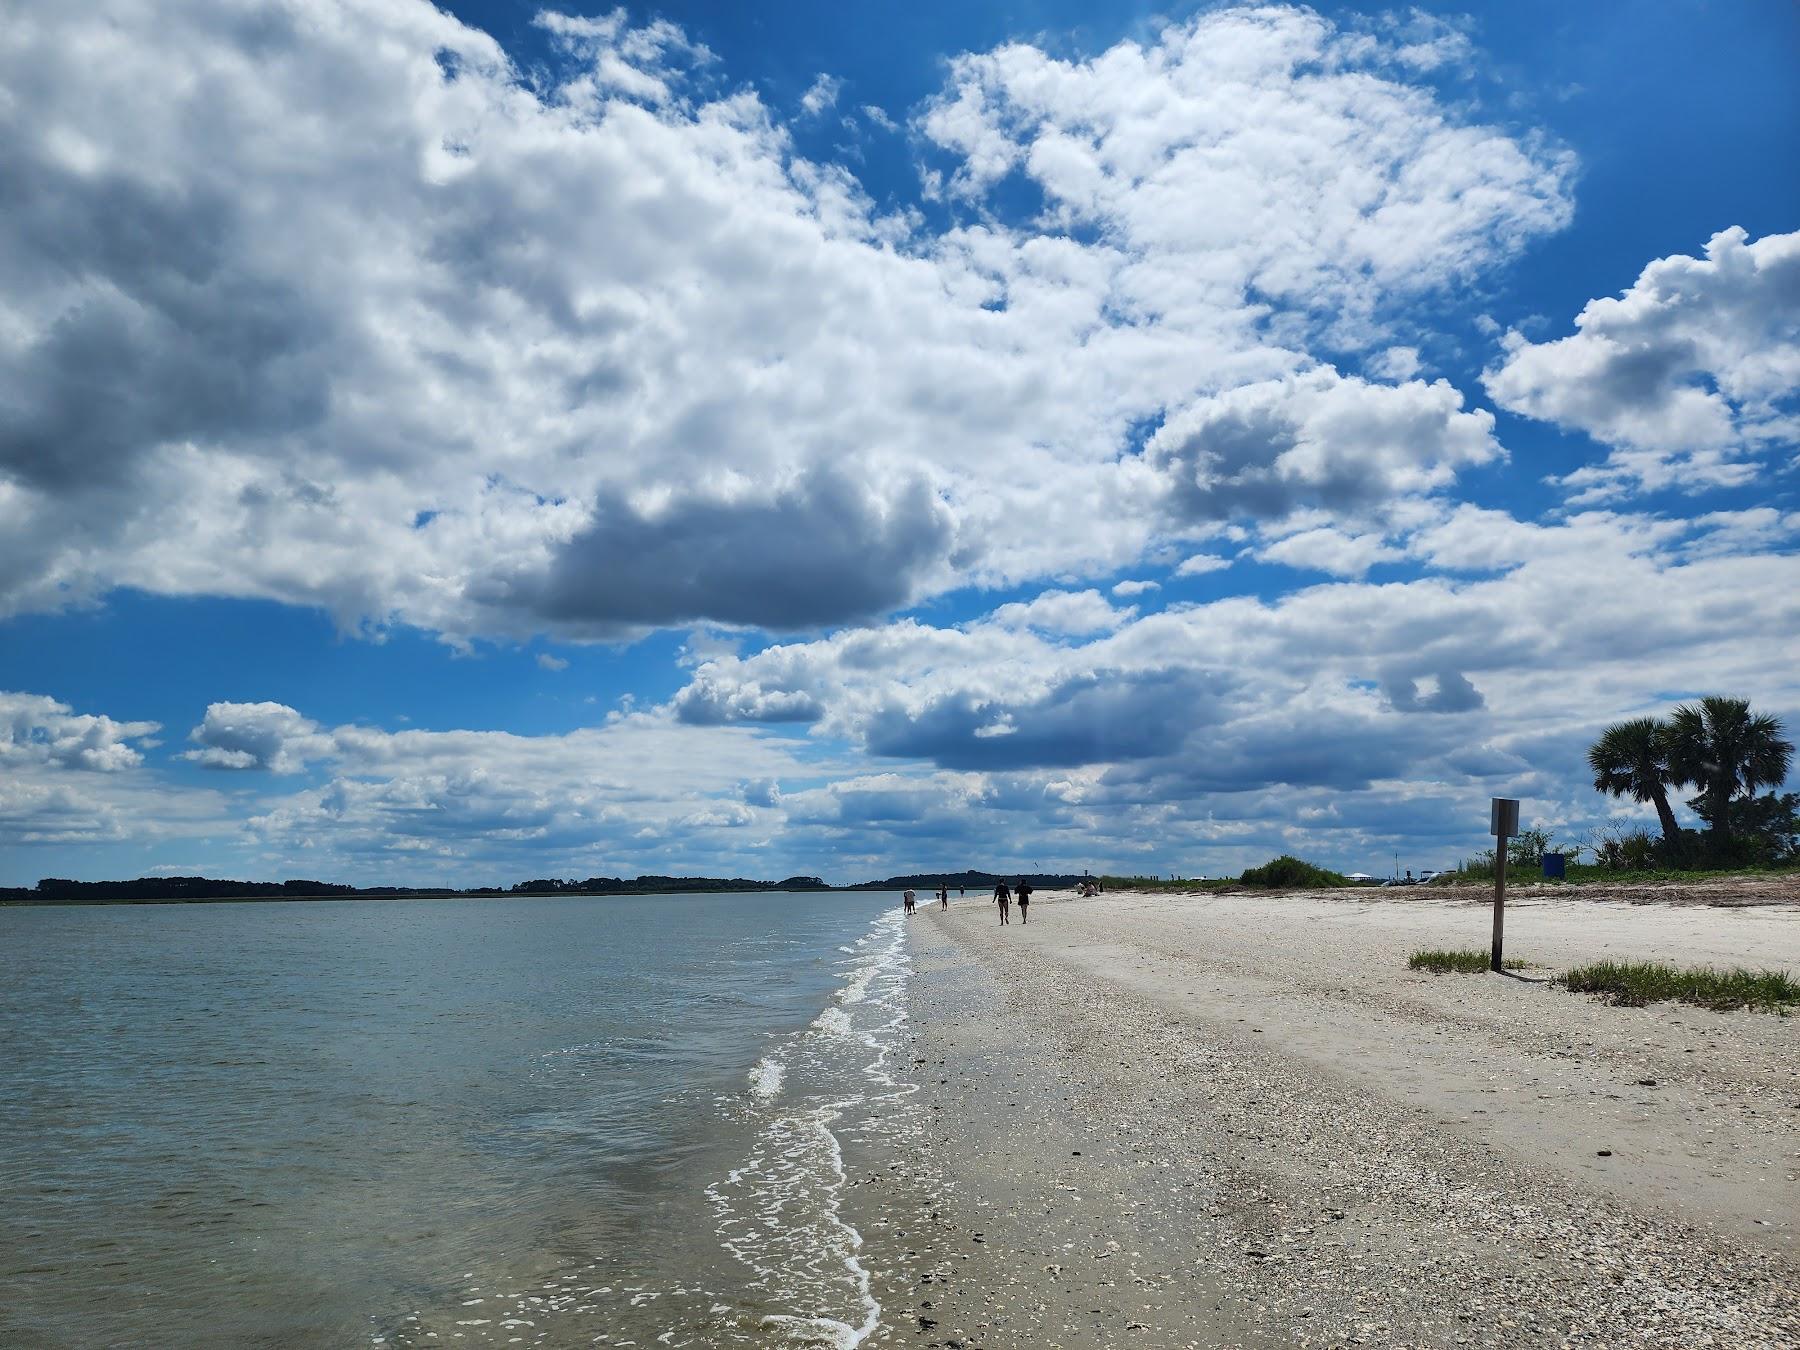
[1725, 889]
[57, 892]
[57, 902]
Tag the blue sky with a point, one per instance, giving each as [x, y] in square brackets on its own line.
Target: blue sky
[470, 444]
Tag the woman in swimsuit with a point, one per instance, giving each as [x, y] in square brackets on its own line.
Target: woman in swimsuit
[1003, 898]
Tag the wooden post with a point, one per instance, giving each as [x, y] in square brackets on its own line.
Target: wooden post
[1499, 898]
[1503, 824]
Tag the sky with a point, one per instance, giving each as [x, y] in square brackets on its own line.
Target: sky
[460, 445]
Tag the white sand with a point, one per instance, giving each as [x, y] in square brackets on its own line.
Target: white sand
[1287, 1137]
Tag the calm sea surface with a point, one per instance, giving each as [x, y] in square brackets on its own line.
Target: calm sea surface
[542, 1121]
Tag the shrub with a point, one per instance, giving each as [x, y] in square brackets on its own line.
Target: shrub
[1525, 851]
[1764, 830]
[1629, 850]
[1524, 856]
[1290, 871]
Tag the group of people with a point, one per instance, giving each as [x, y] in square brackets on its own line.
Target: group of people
[1004, 896]
[943, 896]
[1020, 893]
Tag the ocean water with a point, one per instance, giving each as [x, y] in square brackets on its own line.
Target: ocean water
[548, 1121]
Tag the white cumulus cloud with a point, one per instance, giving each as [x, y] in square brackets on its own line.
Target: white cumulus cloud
[1200, 564]
[268, 736]
[820, 95]
[78, 778]
[1688, 377]
[1368, 707]
[397, 332]
[1329, 550]
[1071, 612]
[35, 729]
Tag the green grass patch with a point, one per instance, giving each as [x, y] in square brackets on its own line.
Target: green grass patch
[1632, 984]
[1186, 886]
[1577, 874]
[1466, 962]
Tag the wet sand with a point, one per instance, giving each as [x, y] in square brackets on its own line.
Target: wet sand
[1240, 1120]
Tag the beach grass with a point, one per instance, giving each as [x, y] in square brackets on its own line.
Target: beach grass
[1184, 886]
[1467, 961]
[1579, 874]
[1636, 983]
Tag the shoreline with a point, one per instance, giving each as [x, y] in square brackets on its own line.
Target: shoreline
[1240, 1120]
[1723, 890]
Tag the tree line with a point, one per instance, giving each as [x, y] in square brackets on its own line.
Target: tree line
[62, 890]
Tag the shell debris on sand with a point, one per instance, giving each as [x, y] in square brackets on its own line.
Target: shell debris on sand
[1170, 1177]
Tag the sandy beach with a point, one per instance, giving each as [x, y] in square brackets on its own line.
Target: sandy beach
[1241, 1120]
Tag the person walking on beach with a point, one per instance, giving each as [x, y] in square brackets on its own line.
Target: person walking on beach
[1003, 898]
[943, 895]
[907, 899]
[1023, 892]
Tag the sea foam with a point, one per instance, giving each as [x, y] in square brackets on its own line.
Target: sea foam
[767, 1077]
[780, 1211]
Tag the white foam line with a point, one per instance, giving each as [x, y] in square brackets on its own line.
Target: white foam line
[865, 1286]
[889, 964]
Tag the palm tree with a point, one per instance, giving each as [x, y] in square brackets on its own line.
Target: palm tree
[1722, 748]
[1631, 759]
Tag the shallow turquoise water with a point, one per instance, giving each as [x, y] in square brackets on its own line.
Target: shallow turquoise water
[414, 1121]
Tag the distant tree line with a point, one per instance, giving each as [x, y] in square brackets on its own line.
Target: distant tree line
[61, 890]
[652, 885]
[972, 881]
[189, 888]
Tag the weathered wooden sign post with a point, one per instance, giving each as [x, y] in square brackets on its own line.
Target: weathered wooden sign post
[1503, 823]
